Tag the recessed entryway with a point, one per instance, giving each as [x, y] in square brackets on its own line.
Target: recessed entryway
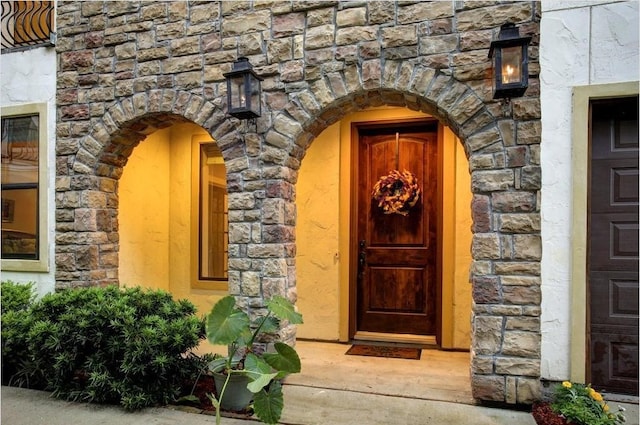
[328, 242]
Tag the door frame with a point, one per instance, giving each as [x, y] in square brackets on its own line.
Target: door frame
[353, 219]
[582, 95]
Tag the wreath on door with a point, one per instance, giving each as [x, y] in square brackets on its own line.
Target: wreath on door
[397, 192]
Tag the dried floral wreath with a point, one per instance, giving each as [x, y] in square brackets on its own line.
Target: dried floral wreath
[396, 192]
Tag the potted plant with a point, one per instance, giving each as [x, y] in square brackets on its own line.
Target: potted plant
[259, 371]
[576, 404]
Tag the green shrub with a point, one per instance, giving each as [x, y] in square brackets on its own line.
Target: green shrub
[15, 299]
[108, 345]
[16, 296]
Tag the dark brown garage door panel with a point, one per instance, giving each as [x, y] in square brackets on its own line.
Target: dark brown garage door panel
[613, 246]
[615, 359]
[614, 241]
[622, 351]
[622, 176]
[614, 336]
[621, 291]
[625, 185]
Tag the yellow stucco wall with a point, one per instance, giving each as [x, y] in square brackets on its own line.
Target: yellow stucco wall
[156, 226]
[144, 214]
[462, 285]
[155, 216]
[458, 233]
[317, 237]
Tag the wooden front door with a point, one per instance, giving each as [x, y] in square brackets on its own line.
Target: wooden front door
[396, 279]
[613, 246]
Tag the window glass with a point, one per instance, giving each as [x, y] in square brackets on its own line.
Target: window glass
[20, 170]
[213, 219]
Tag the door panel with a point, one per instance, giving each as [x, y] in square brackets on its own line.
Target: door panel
[614, 337]
[613, 247]
[396, 287]
[618, 234]
[620, 290]
[622, 176]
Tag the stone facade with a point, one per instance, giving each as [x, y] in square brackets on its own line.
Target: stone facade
[126, 69]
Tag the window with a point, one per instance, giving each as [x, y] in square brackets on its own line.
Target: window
[27, 23]
[211, 223]
[24, 229]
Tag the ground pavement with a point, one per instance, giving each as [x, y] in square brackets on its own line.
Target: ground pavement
[303, 406]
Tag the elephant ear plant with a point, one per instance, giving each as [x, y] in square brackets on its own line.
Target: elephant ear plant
[228, 325]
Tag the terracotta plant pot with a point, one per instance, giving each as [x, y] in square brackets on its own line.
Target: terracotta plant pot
[543, 415]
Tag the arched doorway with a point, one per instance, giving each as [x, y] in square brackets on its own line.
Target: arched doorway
[324, 199]
[505, 179]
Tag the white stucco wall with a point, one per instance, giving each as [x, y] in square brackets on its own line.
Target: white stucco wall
[25, 78]
[581, 43]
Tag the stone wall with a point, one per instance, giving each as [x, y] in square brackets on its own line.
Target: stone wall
[126, 69]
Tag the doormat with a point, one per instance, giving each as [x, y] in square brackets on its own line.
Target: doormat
[385, 351]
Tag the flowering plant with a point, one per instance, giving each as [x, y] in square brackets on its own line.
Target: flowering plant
[396, 192]
[580, 404]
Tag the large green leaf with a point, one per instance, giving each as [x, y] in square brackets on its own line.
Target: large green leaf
[259, 372]
[225, 323]
[255, 364]
[260, 382]
[285, 358]
[268, 405]
[284, 309]
[271, 324]
[242, 342]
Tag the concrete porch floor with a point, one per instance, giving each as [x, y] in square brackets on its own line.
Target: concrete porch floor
[438, 375]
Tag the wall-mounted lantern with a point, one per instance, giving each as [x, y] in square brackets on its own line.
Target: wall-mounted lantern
[510, 62]
[243, 90]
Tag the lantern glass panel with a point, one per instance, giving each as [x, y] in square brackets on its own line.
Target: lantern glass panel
[511, 65]
[255, 95]
[238, 97]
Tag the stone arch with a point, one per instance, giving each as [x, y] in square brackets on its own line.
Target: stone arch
[399, 83]
[506, 247]
[262, 173]
[131, 119]
[87, 201]
[119, 76]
